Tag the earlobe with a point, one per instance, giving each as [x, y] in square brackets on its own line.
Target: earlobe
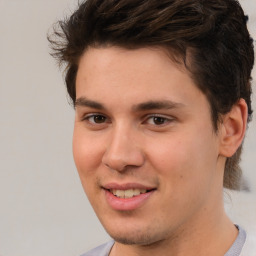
[233, 128]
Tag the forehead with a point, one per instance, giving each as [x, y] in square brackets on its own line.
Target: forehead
[108, 56]
[113, 74]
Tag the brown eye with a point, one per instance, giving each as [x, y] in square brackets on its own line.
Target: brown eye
[95, 119]
[159, 120]
[98, 119]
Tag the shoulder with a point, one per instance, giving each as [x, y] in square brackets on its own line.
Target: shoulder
[249, 248]
[244, 245]
[101, 250]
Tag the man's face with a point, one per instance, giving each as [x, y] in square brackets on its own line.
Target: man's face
[144, 145]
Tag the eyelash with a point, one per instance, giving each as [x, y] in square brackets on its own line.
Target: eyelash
[93, 115]
[165, 120]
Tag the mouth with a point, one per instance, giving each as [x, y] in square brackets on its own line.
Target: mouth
[127, 197]
[128, 193]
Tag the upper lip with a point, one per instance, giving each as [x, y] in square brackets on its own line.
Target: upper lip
[126, 186]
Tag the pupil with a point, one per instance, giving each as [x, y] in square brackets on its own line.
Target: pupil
[99, 119]
[159, 120]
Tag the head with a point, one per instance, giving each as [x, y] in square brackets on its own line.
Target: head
[209, 38]
[159, 88]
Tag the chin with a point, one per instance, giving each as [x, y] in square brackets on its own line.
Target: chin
[147, 236]
[133, 240]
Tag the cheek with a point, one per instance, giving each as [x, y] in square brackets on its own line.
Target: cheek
[184, 159]
[171, 155]
[86, 153]
[87, 157]
[186, 173]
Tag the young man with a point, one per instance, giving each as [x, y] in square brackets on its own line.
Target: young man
[161, 91]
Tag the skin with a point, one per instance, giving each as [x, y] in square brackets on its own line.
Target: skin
[118, 139]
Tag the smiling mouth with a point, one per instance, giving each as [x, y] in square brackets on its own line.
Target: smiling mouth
[129, 193]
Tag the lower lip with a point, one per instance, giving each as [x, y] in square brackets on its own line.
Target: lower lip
[127, 204]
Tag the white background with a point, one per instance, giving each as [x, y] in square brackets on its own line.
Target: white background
[43, 210]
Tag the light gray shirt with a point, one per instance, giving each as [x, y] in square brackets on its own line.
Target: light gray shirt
[235, 249]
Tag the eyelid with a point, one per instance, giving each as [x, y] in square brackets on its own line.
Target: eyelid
[86, 117]
[160, 115]
[167, 118]
[90, 114]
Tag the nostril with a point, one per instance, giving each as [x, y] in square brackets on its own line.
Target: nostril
[116, 168]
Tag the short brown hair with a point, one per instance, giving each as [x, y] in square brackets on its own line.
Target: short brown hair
[211, 34]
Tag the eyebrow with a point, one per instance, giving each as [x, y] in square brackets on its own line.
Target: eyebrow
[83, 102]
[161, 104]
[148, 105]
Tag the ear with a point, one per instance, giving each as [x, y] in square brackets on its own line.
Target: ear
[232, 128]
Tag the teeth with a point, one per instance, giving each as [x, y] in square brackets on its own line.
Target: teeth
[136, 192]
[129, 193]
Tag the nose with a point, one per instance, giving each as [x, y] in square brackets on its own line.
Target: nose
[123, 150]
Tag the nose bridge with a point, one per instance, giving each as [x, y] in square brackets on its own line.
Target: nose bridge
[123, 148]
